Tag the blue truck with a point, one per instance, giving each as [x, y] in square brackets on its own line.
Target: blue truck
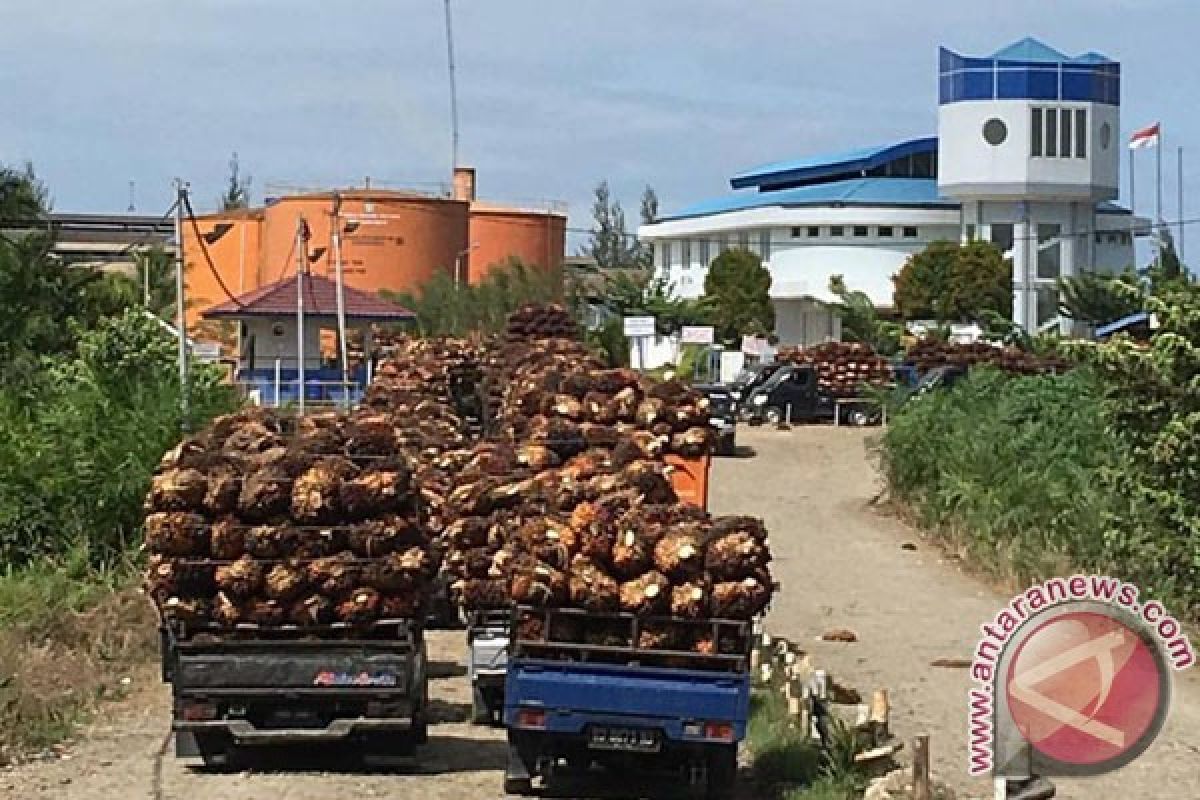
[607, 702]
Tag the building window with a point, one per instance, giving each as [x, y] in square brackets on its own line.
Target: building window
[814, 231]
[744, 240]
[1081, 130]
[885, 231]
[1002, 236]
[685, 254]
[664, 254]
[837, 230]
[861, 230]
[1035, 133]
[1051, 132]
[1049, 258]
[970, 231]
[702, 253]
[1064, 148]
[995, 132]
[797, 232]
[722, 243]
[910, 232]
[764, 244]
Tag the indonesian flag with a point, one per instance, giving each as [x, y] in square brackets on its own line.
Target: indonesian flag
[1146, 137]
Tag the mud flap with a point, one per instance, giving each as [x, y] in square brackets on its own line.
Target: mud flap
[186, 745]
[517, 779]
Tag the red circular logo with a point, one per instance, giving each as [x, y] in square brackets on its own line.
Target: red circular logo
[1086, 690]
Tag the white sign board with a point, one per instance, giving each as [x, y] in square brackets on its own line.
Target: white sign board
[206, 351]
[697, 334]
[639, 326]
[754, 345]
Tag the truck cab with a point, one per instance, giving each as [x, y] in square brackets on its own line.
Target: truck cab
[791, 394]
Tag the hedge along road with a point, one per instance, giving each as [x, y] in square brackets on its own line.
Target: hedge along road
[841, 565]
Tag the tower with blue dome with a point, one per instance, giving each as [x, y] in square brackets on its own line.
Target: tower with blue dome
[1028, 143]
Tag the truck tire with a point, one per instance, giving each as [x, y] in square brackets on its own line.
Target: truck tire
[773, 415]
[722, 772]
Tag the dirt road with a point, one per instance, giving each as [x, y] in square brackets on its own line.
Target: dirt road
[841, 565]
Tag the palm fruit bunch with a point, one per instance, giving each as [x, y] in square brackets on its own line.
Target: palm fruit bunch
[542, 322]
[930, 353]
[843, 368]
[269, 519]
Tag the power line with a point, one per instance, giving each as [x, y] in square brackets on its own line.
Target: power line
[187, 206]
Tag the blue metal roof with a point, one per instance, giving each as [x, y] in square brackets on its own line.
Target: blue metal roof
[818, 167]
[1029, 70]
[1123, 323]
[853, 192]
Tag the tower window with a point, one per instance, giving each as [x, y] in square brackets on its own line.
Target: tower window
[1058, 132]
[861, 230]
[764, 244]
[797, 232]
[814, 231]
[1081, 133]
[1051, 132]
[885, 231]
[1035, 133]
[837, 230]
[995, 132]
[910, 232]
[702, 252]
[685, 253]
[664, 255]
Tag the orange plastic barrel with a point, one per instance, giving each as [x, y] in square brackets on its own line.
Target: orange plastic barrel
[689, 478]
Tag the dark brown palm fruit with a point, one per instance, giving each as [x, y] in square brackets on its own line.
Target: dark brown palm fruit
[739, 524]
[693, 442]
[735, 556]
[590, 588]
[625, 404]
[472, 499]
[382, 536]
[739, 599]
[399, 572]
[650, 412]
[315, 492]
[224, 487]
[319, 437]
[493, 459]
[679, 555]
[266, 493]
[186, 610]
[632, 554]
[540, 586]
[531, 627]
[335, 575]
[241, 579]
[560, 435]
[483, 593]
[651, 480]
[251, 438]
[406, 605]
[177, 490]
[167, 577]
[191, 452]
[267, 613]
[577, 384]
[378, 490]
[660, 636]
[285, 582]
[689, 600]
[597, 435]
[598, 408]
[268, 541]
[177, 533]
[372, 435]
[312, 611]
[226, 612]
[566, 406]
[509, 495]
[626, 452]
[537, 457]
[646, 595]
[584, 467]
[361, 607]
[315, 543]
[466, 533]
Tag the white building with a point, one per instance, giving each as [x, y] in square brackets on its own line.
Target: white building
[1026, 157]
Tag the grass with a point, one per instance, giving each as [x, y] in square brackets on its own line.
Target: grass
[786, 763]
[68, 635]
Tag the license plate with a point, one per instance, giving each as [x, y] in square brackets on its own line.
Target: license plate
[636, 740]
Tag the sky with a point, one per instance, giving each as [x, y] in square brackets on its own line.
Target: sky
[554, 96]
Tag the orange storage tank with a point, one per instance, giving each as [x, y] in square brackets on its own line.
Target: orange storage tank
[390, 240]
[689, 477]
[234, 242]
[498, 234]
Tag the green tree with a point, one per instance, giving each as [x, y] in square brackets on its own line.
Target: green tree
[237, 191]
[949, 282]
[860, 319]
[610, 244]
[22, 195]
[1098, 299]
[649, 214]
[737, 296]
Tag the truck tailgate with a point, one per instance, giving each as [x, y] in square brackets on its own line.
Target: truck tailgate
[575, 694]
[272, 667]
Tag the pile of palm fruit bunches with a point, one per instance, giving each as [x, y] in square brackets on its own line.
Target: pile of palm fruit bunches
[843, 368]
[930, 353]
[267, 519]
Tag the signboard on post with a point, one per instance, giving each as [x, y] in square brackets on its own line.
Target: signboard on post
[697, 334]
[639, 326]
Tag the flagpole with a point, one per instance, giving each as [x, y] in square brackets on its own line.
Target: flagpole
[1158, 217]
[1133, 194]
[1181, 248]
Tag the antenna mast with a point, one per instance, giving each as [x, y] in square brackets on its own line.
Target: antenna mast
[453, 88]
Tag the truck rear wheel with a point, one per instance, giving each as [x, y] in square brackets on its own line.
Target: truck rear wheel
[722, 772]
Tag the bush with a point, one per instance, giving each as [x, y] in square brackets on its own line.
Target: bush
[77, 447]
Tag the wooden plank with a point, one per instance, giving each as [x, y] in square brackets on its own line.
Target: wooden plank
[922, 789]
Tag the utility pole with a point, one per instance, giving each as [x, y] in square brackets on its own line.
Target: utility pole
[1180, 187]
[453, 89]
[180, 317]
[341, 296]
[301, 273]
